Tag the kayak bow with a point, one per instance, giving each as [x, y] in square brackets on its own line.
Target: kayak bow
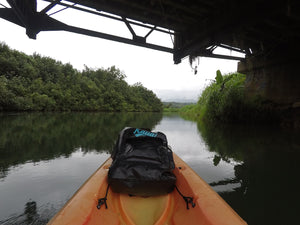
[209, 208]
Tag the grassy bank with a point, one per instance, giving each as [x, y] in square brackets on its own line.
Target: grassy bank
[174, 106]
[224, 101]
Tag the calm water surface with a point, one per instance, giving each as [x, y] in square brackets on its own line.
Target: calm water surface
[45, 158]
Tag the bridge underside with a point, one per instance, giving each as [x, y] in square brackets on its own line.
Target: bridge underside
[252, 27]
[266, 32]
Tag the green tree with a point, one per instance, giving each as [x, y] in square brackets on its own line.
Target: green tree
[44, 84]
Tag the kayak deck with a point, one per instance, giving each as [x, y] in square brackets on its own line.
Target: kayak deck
[159, 210]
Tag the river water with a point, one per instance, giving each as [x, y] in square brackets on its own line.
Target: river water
[45, 158]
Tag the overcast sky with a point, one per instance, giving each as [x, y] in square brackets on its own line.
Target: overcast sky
[154, 69]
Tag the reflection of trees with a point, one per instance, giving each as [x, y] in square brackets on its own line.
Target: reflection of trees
[268, 174]
[44, 136]
[29, 217]
[30, 212]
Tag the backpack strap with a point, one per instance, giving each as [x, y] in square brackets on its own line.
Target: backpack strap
[102, 201]
[188, 200]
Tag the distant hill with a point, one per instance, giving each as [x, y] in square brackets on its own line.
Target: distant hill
[185, 101]
[180, 96]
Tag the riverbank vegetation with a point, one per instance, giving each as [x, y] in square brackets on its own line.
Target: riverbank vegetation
[174, 106]
[224, 101]
[37, 83]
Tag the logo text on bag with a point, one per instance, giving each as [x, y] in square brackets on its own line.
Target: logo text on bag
[139, 133]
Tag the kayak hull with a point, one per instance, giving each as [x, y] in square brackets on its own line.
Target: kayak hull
[210, 208]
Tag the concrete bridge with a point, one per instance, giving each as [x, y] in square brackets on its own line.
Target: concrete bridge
[267, 32]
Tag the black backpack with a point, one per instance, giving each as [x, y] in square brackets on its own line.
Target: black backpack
[142, 164]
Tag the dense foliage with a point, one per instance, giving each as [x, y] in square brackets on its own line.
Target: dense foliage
[36, 83]
[224, 100]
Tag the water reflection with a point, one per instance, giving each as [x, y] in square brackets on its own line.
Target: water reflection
[30, 212]
[44, 136]
[186, 141]
[44, 159]
[30, 215]
[267, 177]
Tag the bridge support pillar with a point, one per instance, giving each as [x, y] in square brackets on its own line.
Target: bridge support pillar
[277, 82]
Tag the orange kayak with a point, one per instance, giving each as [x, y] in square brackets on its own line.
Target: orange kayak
[169, 209]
